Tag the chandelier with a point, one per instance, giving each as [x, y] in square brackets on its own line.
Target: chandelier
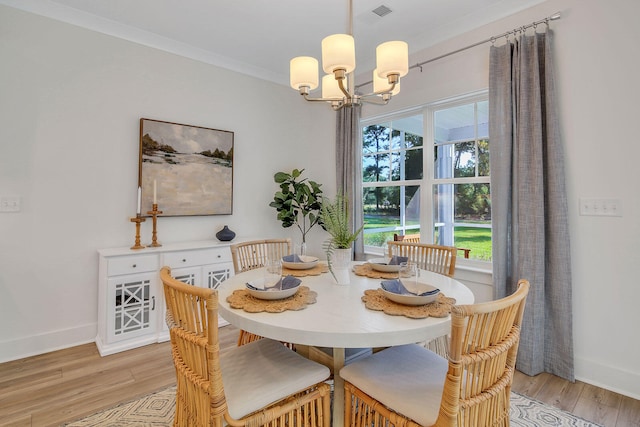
[339, 62]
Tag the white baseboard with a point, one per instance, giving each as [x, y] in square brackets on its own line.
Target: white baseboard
[608, 377]
[47, 342]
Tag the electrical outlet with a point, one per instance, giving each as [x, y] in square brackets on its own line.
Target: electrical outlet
[9, 204]
[600, 207]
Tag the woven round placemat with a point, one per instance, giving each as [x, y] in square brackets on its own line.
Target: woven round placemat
[315, 271]
[240, 298]
[366, 270]
[374, 299]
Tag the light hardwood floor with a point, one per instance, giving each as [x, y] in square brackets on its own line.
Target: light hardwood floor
[52, 388]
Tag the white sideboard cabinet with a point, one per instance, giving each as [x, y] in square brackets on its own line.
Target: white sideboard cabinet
[131, 308]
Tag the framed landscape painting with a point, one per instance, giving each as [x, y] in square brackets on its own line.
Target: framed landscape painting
[186, 170]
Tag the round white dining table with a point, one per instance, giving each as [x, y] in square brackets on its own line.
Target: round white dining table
[339, 319]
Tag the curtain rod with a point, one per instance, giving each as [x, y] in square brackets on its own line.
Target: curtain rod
[492, 39]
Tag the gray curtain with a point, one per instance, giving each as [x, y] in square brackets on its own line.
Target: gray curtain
[349, 168]
[529, 203]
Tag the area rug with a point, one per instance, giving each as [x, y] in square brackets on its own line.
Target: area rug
[156, 410]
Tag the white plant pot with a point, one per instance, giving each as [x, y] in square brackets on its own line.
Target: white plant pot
[341, 263]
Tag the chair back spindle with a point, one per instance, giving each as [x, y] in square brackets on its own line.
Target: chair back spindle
[436, 258]
[254, 254]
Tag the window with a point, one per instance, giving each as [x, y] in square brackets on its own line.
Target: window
[427, 172]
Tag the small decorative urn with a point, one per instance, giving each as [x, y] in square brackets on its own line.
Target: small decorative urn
[225, 234]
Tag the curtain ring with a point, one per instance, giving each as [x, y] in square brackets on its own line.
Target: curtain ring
[493, 41]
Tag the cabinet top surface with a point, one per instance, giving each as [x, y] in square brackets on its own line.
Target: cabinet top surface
[180, 246]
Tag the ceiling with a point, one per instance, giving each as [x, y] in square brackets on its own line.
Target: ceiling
[259, 37]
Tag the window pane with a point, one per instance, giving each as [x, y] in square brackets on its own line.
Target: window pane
[413, 164]
[382, 203]
[464, 162]
[375, 138]
[396, 139]
[443, 156]
[473, 203]
[381, 214]
[389, 210]
[462, 217]
[412, 205]
[395, 164]
[412, 140]
[483, 157]
[455, 124]
[375, 168]
[483, 119]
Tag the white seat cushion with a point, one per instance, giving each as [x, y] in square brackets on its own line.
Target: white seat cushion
[265, 371]
[408, 379]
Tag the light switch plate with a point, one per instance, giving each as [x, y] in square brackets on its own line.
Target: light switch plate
[600, 207]
[9, 203]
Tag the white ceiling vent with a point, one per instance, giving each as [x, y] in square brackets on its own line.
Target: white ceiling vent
[381, 10]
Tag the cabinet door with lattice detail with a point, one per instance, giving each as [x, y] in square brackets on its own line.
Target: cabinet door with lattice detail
[133, 305]
[213, 276]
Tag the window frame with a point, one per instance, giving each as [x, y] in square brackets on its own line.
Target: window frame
[426, 184]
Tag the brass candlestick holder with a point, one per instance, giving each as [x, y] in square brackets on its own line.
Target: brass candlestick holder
[138, 219]
[154, 214]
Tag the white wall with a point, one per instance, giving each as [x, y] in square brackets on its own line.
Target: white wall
[70, 104]
[597, 64]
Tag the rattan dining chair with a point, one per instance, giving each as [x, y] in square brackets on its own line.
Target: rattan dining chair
[262, 383]
[415, 238]
[254, 254]
[411, 386]
[436, 258]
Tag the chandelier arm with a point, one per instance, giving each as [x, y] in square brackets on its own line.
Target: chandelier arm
[308, 98]
[343, 89]
[336, 104]
[383, 92]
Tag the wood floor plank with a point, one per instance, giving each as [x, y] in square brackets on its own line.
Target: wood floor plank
[48, 361]
[28, 382]
[629, 413]
[560, 393]
[66, 392]
[527, 385]
[598, 405]
[101, 399]
[17, 420]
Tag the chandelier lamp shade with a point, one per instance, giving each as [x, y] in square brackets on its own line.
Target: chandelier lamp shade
[339, 61]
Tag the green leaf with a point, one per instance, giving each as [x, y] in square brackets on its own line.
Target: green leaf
[280, 177]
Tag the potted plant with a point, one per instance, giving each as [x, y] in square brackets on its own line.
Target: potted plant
[297, 202]
[335, 219]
